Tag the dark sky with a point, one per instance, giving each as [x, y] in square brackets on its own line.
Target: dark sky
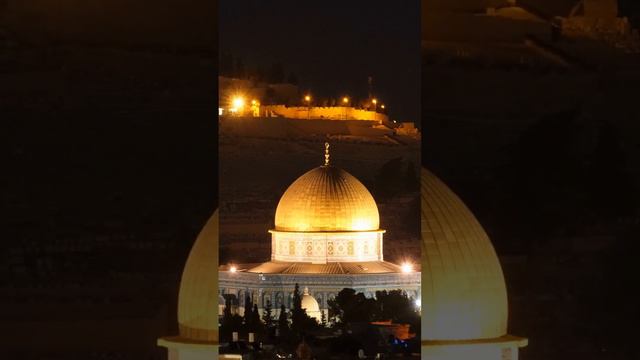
[333, 46]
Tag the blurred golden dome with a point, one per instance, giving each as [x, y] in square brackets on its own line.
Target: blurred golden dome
[327, 199]
[198, 297]
[198, 300]
[463, 289]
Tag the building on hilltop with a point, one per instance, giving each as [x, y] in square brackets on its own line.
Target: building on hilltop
[247, 98]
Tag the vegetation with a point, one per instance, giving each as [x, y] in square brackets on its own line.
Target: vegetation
[235, 67]
[350, 313]
[350, 307]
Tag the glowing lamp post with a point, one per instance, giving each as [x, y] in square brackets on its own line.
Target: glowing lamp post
[345, 102]
[307, 100]
[237, 105]
[375, 104]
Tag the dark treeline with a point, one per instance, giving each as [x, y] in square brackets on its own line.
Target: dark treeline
[235, 67]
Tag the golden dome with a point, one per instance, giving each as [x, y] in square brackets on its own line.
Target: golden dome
[327, 199]
[198, 297]
[463, 290]
[198, 300]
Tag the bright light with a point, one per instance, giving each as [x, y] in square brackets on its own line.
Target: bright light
[254, 102]
[345, 99]
[382, 106]
[406, 267]
[238, 102]
[374, 101]
[418, 303]
[233, 269]
[307, 98]
[220, 111]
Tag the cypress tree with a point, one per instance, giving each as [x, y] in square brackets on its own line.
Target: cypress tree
[247, 312]
[283, 322]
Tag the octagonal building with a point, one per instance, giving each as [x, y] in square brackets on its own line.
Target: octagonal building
[326, 237]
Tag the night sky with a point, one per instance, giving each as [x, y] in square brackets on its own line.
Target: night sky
[333, 46]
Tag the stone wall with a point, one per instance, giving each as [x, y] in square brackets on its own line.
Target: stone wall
[328, 113]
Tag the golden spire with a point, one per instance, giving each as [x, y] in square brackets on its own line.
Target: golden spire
[326, 154]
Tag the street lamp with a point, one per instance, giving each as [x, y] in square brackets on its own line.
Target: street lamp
[307, 99]
[375, 104]
[345, 101]
[237, 104]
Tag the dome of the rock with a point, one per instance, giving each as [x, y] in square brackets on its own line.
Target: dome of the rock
[327, 199]
[196, 320]
[198, 300]
[463, 289]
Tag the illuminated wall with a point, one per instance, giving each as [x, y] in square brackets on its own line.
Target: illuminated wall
[328, 112]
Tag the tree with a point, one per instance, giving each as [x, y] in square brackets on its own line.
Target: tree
[267, 315]
[226, 64]
[412, 183]
[296, 311]
[230, 322]
[349, 306]
[389, 178]
[261, 74]
[323, 319]
[276, 74]
[292, 79]
[239, 70]
[283, 322]
[397, 306]
[248, 312]
[256, 325]
[270, 96]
